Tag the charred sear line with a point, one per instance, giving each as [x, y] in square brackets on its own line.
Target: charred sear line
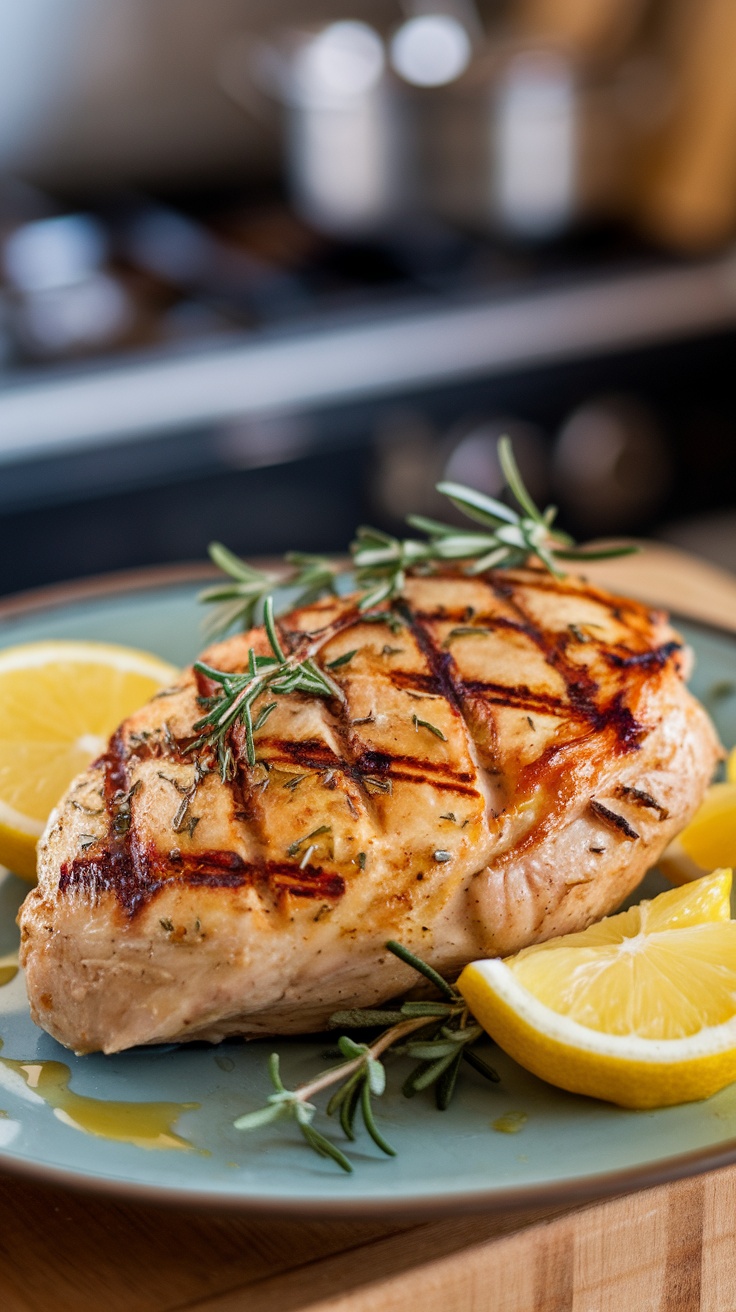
[629, 731]
[308, 753]
[583, 692]
[612, 819]
[414, 681]
[114, 763]
[483, 622]
[652, 658]
[453, 785]
[440, 663]
[383, 763]
[519, 696]
[136, 877]
[581, 687]
[641, 798]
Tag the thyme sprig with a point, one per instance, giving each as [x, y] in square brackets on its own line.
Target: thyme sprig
[506, 537]
[443, 1030]
[281, 672]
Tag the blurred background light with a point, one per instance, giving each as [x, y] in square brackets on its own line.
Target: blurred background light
[611, 464]
[272, 267]
[536, 145]
[343, 61]
[343, 140]
[54, 252]
[65, 301]
[431, 50]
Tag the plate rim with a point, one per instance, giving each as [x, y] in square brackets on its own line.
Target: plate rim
[573, 1191]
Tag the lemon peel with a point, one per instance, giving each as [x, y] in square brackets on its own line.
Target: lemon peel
[639, 1009]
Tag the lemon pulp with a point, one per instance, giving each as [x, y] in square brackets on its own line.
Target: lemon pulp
[639, 1009]
[59, 703]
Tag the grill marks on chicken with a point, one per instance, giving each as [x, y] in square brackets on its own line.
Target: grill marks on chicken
[460, 799]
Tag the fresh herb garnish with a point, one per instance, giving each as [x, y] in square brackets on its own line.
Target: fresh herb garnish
[374, 784]
[465, 631]
[181, 819]
[293, 848]
[425, 724]
[444, 1031]
[505, 538]
[240, 600]
[122, 803]
[278, 673]
[342, 660]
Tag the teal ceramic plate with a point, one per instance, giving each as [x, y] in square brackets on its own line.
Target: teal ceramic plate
[567, 1147]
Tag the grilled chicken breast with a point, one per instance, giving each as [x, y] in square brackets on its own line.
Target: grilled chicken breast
[511, 755]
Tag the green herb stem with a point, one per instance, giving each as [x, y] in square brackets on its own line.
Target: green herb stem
[504, 538]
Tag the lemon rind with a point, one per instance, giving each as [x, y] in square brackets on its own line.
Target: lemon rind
[555, 1028]
[129, 659]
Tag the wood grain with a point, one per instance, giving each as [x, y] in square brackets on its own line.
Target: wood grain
[668, 1249]
[662, 1250]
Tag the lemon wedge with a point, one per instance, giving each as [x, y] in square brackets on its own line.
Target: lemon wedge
[59, 703]
[639, 1009]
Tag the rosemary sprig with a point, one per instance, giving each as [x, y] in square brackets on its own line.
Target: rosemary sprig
[445, 1030]
[279, 673]
[505, 538]
[240, 601]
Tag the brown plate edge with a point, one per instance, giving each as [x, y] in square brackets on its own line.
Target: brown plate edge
[571, 1192]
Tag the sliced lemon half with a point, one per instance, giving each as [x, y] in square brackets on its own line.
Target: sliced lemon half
[59, 703]
[639, 1010]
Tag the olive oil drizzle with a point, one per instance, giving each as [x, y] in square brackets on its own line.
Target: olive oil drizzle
[145, 1124]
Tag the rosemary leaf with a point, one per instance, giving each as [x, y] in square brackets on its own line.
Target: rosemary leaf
[370, 1124]
[445, 1086]
[506, 537]
[293, 848]
[425, 724]
[447, 1031]
[348, 1108]
[364, 1018]
[465, 631]
[323, 1146]
[481, 1066]
[426, 1009]
[429, 972]
[342, 660]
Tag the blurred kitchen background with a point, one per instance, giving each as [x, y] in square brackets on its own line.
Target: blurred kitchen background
[269, 268]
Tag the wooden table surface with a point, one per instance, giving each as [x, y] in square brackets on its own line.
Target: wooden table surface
[668, 1249]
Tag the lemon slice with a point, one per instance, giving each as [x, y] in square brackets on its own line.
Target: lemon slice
[639, 1009]
[710, 838]
[59, 703]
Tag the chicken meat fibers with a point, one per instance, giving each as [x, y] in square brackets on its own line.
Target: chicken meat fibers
[501, 761]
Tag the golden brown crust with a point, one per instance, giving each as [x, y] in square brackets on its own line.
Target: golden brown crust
[494, 735]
